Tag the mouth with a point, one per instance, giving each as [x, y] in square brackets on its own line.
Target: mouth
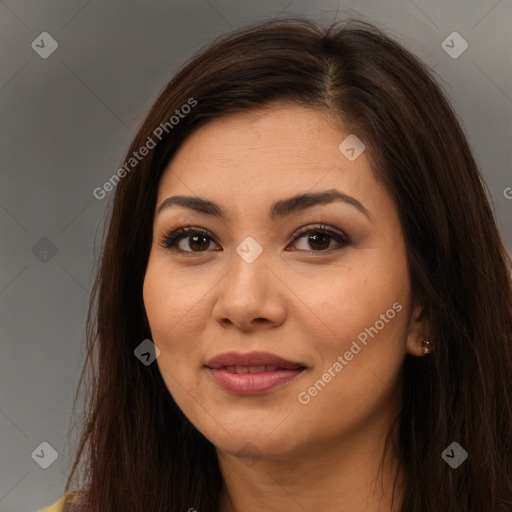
[256, 369]
[253, 373]
[263, 361]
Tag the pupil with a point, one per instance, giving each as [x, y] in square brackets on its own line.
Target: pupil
[194, 238]
[314, 239]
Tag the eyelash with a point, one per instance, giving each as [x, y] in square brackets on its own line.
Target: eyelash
[171, 237]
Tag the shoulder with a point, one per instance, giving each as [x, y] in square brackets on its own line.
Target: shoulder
[70, 502]
[56, 507]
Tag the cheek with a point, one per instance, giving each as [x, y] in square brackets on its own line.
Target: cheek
[167, 310]
[158, 301]
[359, 351]
[364, 312]
[175, 308]
[355, 297]
[168, 300]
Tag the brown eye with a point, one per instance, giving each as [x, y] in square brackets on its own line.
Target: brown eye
[200, 242]
[194, 240]
[319, 239]
[197, 240]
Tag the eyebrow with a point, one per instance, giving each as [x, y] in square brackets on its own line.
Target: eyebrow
[279, 209]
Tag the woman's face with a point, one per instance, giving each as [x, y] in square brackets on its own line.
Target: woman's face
[258, 273]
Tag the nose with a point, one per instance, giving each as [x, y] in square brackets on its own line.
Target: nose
[250, 296]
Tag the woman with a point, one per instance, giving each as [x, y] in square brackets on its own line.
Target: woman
[303, 300]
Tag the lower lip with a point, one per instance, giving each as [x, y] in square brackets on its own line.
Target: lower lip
[253, 383]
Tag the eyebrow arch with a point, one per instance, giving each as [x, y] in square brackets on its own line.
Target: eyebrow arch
[279, 209]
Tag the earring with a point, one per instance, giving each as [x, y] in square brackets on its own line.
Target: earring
[425, 345]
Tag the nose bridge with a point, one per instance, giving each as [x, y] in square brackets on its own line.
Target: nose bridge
[246, 292]
[248, 268]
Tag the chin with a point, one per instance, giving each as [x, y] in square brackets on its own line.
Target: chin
[261, 436]
[247, 445]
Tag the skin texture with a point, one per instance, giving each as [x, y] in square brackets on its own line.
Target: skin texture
[275, 452]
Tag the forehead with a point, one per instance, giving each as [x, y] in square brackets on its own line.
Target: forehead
[274, 147]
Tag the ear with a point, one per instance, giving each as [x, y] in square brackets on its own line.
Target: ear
[419, 330]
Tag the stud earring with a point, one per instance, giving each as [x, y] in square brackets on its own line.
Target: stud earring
[425, 345]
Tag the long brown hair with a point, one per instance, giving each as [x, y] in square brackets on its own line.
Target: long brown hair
[137, 451]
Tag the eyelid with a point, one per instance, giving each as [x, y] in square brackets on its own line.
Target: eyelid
[320, 227]
[169, 238]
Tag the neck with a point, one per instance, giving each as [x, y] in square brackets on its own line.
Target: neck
[349, 475]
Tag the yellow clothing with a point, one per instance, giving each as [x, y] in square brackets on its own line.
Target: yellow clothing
[56, 507]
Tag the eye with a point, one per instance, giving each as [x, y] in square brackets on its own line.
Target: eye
[198, 238]
[320, 238]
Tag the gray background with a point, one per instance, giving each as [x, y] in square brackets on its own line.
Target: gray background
[66, 122]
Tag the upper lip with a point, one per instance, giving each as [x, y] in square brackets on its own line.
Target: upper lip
[251, 359]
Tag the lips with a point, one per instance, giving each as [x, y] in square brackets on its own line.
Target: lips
[254, 369]
[253, 362]
[254, 373]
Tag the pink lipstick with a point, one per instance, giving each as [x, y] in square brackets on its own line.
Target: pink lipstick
[252, 373]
